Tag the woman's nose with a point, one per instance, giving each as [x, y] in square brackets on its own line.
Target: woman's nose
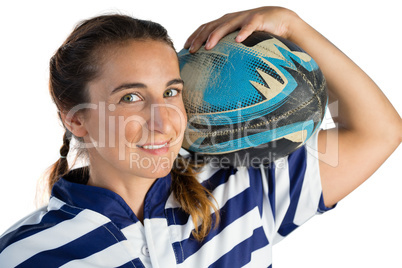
[160, 120]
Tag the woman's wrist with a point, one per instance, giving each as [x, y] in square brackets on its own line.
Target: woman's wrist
[297, 28]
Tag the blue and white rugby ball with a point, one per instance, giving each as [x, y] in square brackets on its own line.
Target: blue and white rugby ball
[251, 102]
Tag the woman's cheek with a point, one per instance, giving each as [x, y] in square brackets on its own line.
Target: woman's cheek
[133, 131]
[179, 118]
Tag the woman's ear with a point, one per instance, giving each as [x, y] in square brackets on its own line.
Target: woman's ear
[74, 122]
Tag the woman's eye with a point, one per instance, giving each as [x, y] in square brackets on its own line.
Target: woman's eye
[170, 93]
[130, 98]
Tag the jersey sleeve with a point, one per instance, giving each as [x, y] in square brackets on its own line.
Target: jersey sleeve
[292, 191]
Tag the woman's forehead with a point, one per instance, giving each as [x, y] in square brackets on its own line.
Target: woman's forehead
[144, 64]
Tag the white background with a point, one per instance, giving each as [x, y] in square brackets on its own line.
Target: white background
[363, 231]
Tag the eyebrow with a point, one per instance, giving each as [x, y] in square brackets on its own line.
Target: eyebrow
[141, 85]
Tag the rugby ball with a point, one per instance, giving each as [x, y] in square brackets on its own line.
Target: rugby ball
[253, 102]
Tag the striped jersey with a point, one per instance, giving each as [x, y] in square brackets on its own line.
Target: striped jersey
[87, 226]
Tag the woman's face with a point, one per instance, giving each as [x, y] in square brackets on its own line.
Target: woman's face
[136, 118]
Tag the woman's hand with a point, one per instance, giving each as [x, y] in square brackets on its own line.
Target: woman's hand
[276, 20]
[369, 128]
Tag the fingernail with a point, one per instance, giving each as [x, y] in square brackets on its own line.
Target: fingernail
[187, 44]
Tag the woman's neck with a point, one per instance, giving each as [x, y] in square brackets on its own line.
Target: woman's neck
[129, 187]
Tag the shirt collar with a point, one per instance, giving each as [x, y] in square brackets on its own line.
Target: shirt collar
[72, 189]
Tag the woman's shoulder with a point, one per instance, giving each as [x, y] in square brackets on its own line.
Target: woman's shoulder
[305, 156]
[47, 232]
[297, 172]
[14, 240]
[33, 223]
[29, 220]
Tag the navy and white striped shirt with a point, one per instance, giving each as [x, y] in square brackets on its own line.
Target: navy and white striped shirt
[86, 226]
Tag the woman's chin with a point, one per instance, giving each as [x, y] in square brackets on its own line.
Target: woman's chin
[153, 170]
[157, 173]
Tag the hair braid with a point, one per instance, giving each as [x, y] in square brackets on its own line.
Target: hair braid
[60, 167]
[193, 197]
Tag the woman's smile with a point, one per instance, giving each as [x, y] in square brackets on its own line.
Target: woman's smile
[156, 148]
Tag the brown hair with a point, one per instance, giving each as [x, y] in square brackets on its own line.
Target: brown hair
[77, 62]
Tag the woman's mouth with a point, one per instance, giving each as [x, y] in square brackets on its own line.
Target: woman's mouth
[157, 148]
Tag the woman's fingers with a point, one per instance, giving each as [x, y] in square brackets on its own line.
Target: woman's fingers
[245, 32]
[189, 40]
[212, 32]
[245, 21]
[270, 19]
[220, 32]
[215, 30]
[201, 37]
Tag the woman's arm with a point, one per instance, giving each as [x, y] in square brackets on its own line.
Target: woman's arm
[369, 128]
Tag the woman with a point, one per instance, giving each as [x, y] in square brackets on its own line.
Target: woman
[117, 86]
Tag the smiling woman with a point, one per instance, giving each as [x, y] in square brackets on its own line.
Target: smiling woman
[147, 114]
[137, 77]
[129, 66]
[140, 202]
